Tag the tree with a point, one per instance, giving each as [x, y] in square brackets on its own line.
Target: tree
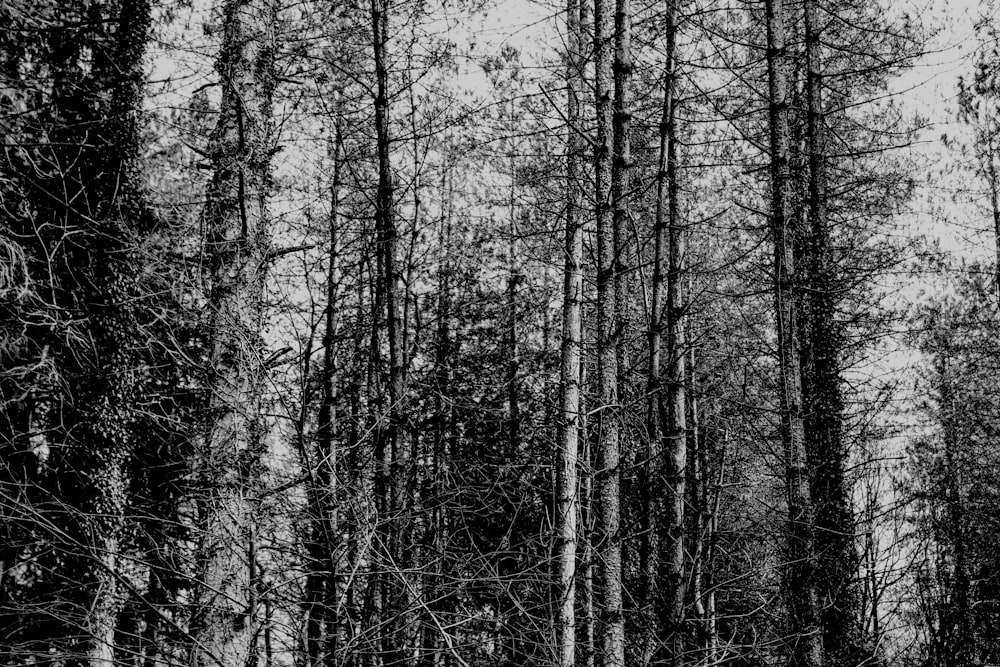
[226, 622]
[803, 602]
[953, 500]
[608, 537]
[668, 431]
[78, 225]
[567, 485]
[836, 556]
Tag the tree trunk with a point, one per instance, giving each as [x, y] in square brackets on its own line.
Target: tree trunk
[658, 415]
[704, 500]
[226, 623]
[99, 419]
[961, 647]
[586, 636]
[324, 623]
[621, 183]
[803, 605]
[989, 162]
[567, 493]
[608, 539]
[387, 448]
[837, 563]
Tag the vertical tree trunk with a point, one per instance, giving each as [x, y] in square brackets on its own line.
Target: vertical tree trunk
[100, 419]
[621, 183]
[514, 279]
[444, 428]
[663, 431]
[226, 623]
[325, 626]
[608, 539]
[704, 500]
[803, 605]
[567, 493]
[837, 563]
[989, 164]
[961, 647]
[586, 636]
[387, 452]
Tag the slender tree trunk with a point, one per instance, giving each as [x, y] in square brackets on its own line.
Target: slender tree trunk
[662, 431]
[567, 492]
[608, 539]
[387, 452]
[586, 635]
[514, 279]
[226, 623]
[151, 636]
[621, 183]
[803, 605]
[325, 622]
[703, 523]
[444, 426]
[837, 563]
[989, 162]
[674, 432]
[962, 650]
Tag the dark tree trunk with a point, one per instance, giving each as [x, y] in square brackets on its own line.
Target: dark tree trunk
[803, 605]
[837, 561]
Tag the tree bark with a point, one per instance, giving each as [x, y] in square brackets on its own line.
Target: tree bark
[567, 492]
[961, 643]
[226, 623]
[989, 163]
[608, 539]
[803, 606]
[837, 563]
[621, 183]
[324, 623]
[104, 206]
[658, 405]
[387, 447]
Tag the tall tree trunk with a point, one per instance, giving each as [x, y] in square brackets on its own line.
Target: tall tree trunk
[837, 562]
[324, 635]
[514, 279]
[803, 606]
[567, 492]
[608, 539]
[961, 647]
[656, 408]
[444, 428]
[621, 183]
[103, 203]
[989, 163]
[226, 623]
[387, 449]
[586, 636]
[666, 454]
[704, 502]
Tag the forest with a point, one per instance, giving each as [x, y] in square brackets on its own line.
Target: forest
[499, 333]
